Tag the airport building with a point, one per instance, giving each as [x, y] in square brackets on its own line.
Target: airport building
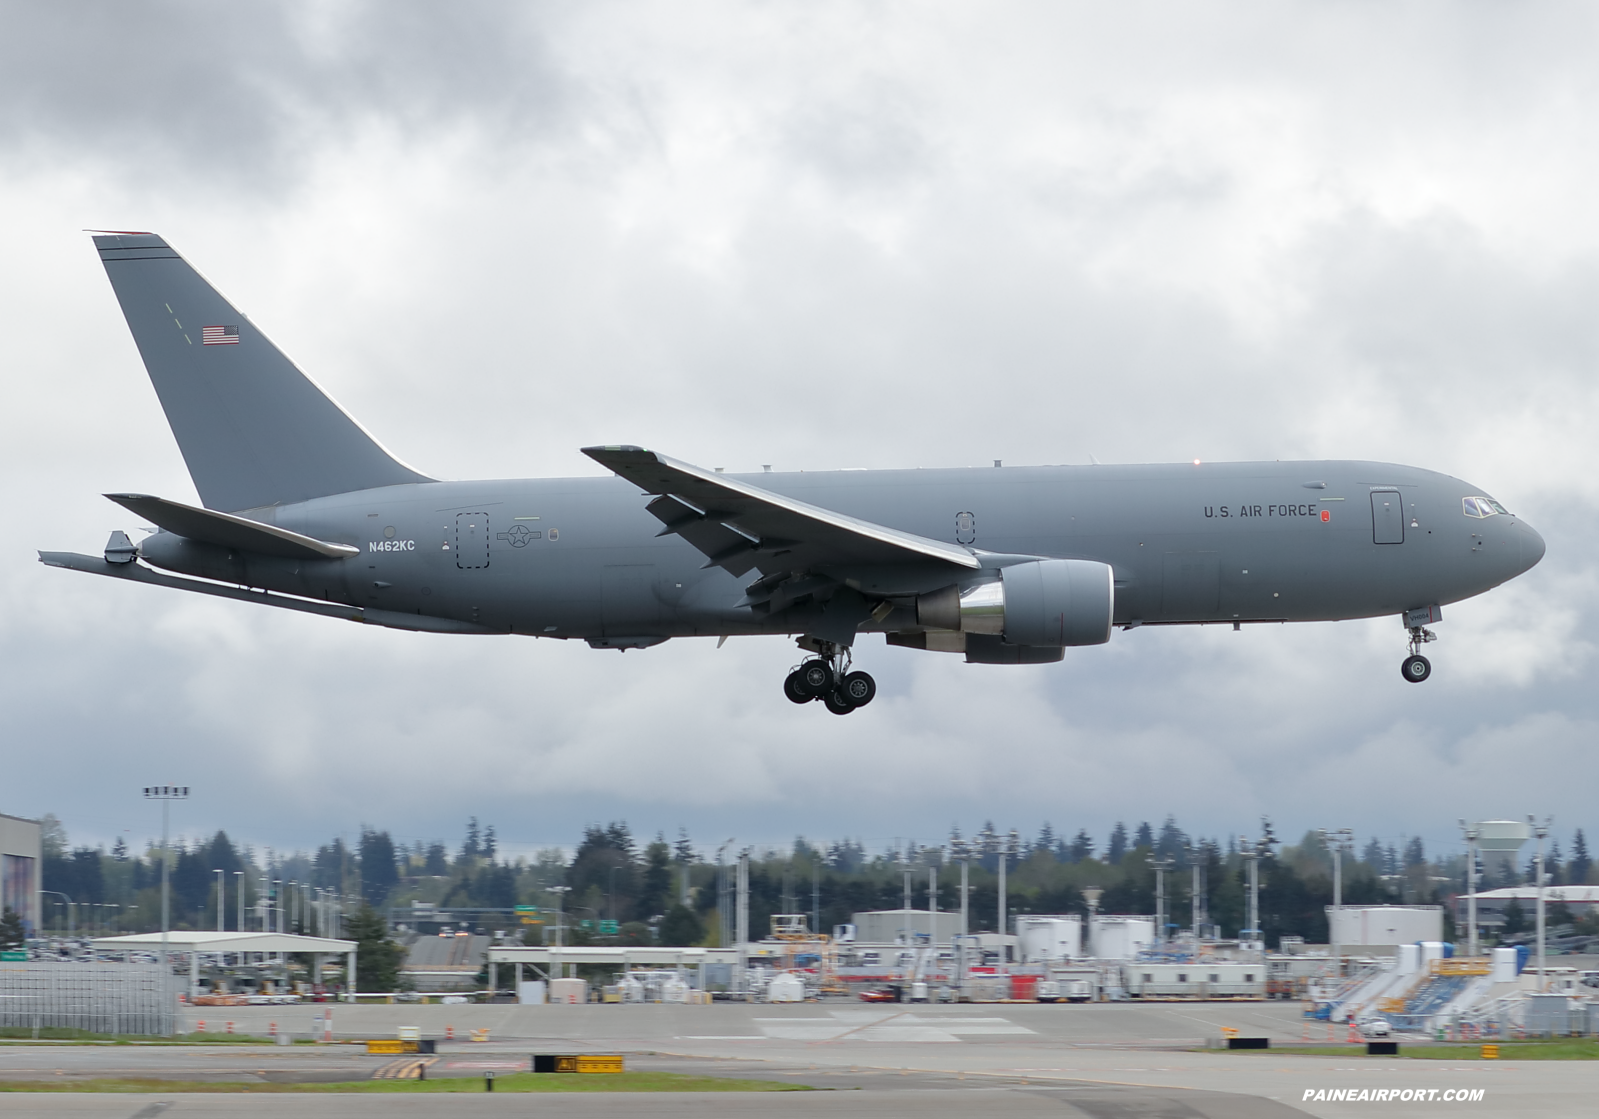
[1491, 904]
[20, 869]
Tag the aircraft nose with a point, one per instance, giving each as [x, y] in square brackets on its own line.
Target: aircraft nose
[1532, 545]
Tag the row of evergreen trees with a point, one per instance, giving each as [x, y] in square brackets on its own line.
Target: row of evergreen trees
[610, 877]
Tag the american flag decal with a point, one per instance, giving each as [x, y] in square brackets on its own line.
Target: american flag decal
[219, 336]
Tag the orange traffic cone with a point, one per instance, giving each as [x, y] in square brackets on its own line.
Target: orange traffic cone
[200, 1029]
[449, 1033]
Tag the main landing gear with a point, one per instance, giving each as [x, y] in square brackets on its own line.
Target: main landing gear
[1416, 667]
[827, 677]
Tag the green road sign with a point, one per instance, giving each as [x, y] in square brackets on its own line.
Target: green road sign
[527, 909]
[13, 957]
[609, 928]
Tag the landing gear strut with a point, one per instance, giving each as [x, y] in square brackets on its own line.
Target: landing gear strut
[827, 677]
[1416, 667]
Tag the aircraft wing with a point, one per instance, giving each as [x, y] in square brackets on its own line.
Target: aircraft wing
[739, 526]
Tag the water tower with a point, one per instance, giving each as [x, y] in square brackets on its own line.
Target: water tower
[1499, 840]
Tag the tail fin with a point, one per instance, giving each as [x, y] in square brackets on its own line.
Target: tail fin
[253, 429]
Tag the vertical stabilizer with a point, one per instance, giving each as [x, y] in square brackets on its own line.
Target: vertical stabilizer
[253, 429]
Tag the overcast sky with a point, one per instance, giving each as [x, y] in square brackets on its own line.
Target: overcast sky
[816, 235]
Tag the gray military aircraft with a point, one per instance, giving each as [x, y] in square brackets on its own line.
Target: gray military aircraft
[303, 509]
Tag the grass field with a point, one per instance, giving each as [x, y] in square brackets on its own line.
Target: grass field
[518, 1082]
[1554, 1049]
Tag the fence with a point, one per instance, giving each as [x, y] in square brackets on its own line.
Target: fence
[104, 998]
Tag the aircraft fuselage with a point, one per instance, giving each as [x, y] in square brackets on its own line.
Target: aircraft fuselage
[1188, 543]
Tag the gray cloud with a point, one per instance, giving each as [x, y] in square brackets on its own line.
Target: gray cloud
[249, 94]
[777, 234]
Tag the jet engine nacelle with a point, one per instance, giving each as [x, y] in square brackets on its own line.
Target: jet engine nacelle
[1045, 603]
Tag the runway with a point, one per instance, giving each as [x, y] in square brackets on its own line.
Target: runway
[1107, 1061]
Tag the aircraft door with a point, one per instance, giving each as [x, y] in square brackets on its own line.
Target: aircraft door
[471, 540]
[1387, 517]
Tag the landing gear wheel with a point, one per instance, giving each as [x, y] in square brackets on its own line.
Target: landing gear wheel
[858, 689]
[794, 687]
[818, 677]
[1416, 668]
[836, 702]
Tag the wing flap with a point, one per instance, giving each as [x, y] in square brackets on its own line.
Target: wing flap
[227, 531]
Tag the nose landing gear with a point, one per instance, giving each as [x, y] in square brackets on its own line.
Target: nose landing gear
[1416, 667]
[827, 677]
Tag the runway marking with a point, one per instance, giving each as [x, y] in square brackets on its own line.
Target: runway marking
[406, 1068]
[902, 1027]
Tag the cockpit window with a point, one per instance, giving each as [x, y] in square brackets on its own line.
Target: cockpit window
[1481, 507]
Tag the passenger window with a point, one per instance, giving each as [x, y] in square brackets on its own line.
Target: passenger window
[1249, 977]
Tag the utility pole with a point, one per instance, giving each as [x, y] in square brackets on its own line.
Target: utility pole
[1541, 831]
[1472, 834]
[238, 888]
[932, 904]
[166, 794]
[1161, 866]
[1337, 842]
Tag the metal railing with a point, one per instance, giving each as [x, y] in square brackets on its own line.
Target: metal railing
[103, 998]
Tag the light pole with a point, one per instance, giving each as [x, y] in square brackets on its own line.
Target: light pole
[238, 888]
[68, 902]
[1007, 848]
[741, 918]
[724, 928]
[166, 794]
[1251, 853]
[1161, 866]
[1472, 834]
[560, 920]
[1541, 831]
[1337, 842]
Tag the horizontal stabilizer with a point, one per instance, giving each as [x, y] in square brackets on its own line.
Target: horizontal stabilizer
[207, 526]
[739, 526]
[136, 573]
